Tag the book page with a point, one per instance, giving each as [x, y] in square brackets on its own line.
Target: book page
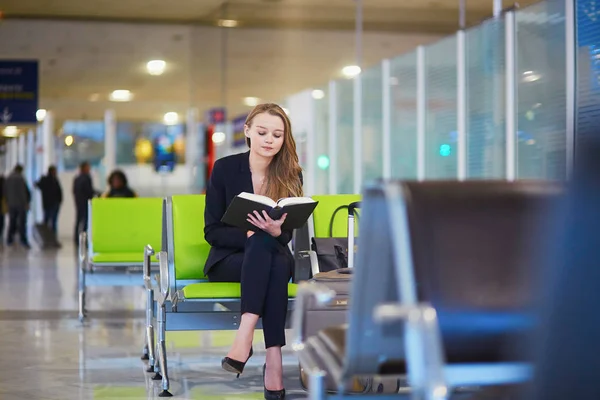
[258, 198]
[294, 200]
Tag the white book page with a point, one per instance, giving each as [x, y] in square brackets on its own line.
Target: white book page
[294, 200]
[258, 198]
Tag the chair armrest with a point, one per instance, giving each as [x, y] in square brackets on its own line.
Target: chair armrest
[306, 290]
[163, 277]
[148, 253]
[423, 344]
[83, 249]
[314, 260]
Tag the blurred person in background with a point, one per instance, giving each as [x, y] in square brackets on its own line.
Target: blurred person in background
[2, 209]
[118, 185]
[51, 197]
[18, 197]
[83, 191]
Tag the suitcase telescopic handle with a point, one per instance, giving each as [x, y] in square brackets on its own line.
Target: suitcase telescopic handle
[352, 207]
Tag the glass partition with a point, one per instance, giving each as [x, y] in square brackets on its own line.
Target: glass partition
[541, 95]
[486, 116]
[321, 150]
[372, 123]
[83, 141]
[441, 112]
[345, 136]
[403, 124]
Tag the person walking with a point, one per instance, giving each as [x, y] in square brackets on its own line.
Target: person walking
[83, 190]
[51, 198]
[18, 198]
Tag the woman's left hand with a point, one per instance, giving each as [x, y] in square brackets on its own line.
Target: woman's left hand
[267, 224]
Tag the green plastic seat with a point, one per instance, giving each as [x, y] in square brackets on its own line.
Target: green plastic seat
[222, 290]
[121, 228]
[191, 251]
[324, 211]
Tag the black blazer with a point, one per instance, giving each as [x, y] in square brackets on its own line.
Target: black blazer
[230, 176]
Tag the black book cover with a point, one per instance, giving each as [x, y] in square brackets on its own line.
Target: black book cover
[238, 210]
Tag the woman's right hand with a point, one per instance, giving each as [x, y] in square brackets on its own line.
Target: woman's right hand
[249, 233]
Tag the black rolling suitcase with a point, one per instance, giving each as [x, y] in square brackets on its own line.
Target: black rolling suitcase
[335, 313]
[45, 237]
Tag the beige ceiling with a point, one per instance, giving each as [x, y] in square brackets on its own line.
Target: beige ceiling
[430, 16]
[89, 48]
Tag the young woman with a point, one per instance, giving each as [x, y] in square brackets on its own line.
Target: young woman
[118, 186]
[260, 260]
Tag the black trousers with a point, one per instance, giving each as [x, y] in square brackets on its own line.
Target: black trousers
[1, 224]
[17, 220]
[264, 269]
[81, 222]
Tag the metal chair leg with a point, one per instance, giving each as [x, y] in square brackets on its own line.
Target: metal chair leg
[149, 349]
[162, 352]
[82, 273]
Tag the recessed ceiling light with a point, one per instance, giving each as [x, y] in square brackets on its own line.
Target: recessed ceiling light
[69, 140]
[11, 131]
[218, 137]
[251, 101]
[121, 95]
[156, 67]
[350, 71]
[171, 118]
[40, 114]
[318, 94]
[227, 23]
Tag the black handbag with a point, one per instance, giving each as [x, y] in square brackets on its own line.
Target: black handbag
[332, 252]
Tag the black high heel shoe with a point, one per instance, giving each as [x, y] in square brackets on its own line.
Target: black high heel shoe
[235, 366]
[272, 394]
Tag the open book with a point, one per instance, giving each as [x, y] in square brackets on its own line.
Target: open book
[298, 210]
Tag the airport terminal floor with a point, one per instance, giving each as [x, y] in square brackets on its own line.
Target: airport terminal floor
[46, 354]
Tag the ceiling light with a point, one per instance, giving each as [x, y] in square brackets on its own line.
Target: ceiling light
[156, 67]
[350, 71]
[121, 95]
[94, 97]
[11, 131]
[227, 23]
[218, 137]
[40, 114]
[251, 101]
[171, 118]
[318, 94]
[69, 140]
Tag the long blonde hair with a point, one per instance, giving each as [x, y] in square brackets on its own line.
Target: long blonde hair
[283, 174]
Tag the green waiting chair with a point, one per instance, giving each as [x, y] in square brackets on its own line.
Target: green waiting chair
[111, 252]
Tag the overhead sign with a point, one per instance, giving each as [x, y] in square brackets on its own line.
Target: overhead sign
[239, 139]
[19, 88]
[216, 116]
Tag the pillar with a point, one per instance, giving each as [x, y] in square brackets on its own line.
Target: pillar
[14, 153]
[48, 141]
[110, 141]
[21, 149]
[192, 149]
[29, 157]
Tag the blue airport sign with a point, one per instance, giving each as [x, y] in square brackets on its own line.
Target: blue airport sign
[19, 91]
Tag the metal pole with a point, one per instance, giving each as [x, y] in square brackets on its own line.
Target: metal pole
[497, 8]
[462, 14]
[511, 122]
[386, 119]
[333, 119]
[571, 68]
[461, 61]
[358, 102]
[421, 113]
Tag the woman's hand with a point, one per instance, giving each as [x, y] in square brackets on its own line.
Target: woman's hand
[249, 233]
[265, 223]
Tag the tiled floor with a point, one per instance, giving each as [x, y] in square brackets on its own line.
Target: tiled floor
[45, 353]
